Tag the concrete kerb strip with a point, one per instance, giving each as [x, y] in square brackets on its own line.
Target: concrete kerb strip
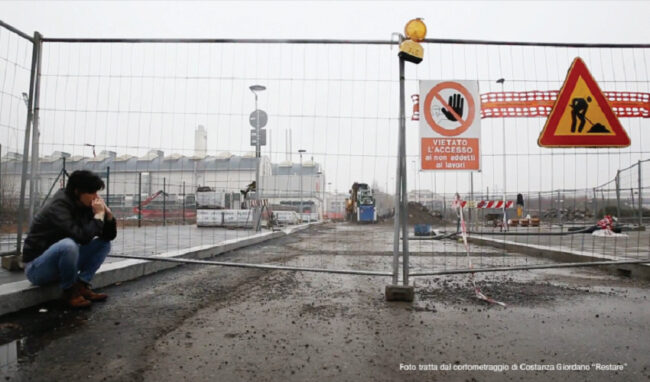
[641, 271]
[22, 294]
[301, 227]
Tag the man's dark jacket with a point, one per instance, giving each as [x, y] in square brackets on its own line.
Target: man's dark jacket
[64, 217]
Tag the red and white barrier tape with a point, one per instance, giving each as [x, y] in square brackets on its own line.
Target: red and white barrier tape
[477, 291]
[536, 103]
[483, 204]
[258, 203]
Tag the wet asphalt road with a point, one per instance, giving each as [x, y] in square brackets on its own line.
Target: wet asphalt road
[203, 323]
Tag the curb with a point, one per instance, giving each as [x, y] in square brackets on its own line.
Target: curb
[22, 294]
[641, 271]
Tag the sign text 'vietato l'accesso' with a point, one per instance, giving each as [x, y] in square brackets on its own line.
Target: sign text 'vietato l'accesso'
[450, 131]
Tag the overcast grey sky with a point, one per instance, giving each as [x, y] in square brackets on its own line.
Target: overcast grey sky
[321, 69]
[577, 21]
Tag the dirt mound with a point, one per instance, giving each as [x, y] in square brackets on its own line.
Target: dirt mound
[418, 214]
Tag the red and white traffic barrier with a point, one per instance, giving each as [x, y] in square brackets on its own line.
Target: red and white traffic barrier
[258, 203]
[483, 204]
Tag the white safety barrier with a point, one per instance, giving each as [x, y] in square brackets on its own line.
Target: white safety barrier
[309, 217]
[224, 218]
[286, 217]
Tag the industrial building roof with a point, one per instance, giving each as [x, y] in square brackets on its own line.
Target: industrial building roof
[153, 161]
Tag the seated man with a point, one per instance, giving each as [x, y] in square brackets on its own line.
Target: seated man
[69, 239]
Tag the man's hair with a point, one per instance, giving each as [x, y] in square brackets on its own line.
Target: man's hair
[83, 181]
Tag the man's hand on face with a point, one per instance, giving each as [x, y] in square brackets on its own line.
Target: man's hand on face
[107, 210]
[99, 208]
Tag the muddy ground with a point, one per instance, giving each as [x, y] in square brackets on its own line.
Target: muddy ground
[203, 323]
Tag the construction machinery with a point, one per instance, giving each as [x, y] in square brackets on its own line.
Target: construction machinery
[360, 206]
[151, 208]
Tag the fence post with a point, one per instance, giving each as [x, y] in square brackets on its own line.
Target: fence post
[444, 207]
[1, 178]
[28, 124]
[539, 205]
[557, 209]
[164, 201]
[400, 180]
[64, 172]
[36, 134]
[640, 197]
[471, 196]
[404, 215]
[108, 185]
[595, 204]
[183, 202]
[618, 194]
[139, 199]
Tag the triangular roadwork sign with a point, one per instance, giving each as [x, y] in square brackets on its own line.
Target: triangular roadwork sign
[581, 115]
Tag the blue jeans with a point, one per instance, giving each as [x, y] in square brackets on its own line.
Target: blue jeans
[66, 261]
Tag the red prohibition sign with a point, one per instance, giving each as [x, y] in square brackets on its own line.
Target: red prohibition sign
[464, 124]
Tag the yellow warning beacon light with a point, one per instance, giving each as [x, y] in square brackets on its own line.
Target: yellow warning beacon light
[415, 30]
[410, 49]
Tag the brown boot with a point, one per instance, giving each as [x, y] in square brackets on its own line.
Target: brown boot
[88, 294]
[73, 298]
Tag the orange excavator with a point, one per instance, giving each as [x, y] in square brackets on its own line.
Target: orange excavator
[171, 210]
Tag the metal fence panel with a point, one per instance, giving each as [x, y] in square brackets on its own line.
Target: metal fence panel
[172, 115]
[16, 51]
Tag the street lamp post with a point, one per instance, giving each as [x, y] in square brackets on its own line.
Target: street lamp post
[255, 89]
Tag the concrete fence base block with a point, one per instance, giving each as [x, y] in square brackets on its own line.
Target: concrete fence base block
[11, 263]
[400, 293]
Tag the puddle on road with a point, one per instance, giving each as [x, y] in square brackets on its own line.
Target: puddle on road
[10, 354]
[24, 334]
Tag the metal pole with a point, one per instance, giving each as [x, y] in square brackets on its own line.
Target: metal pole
[28, 124]
[415, 182]
[183, 202]
[618, 194]
[323, 200]
[503, 126]
[595, 204]
[301, 207]
[108, 186]
[63, 171]
[35, 168]
[164, 201]
[539, 204]
[258, 210]
[1, 191]
[640, 197]
[471, 195]
[402, 142]
[398, 178]
[444, 207]
[557, 214]
[139, 199]
[396, 220]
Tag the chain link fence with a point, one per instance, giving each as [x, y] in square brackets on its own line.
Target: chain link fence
[164, 120]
